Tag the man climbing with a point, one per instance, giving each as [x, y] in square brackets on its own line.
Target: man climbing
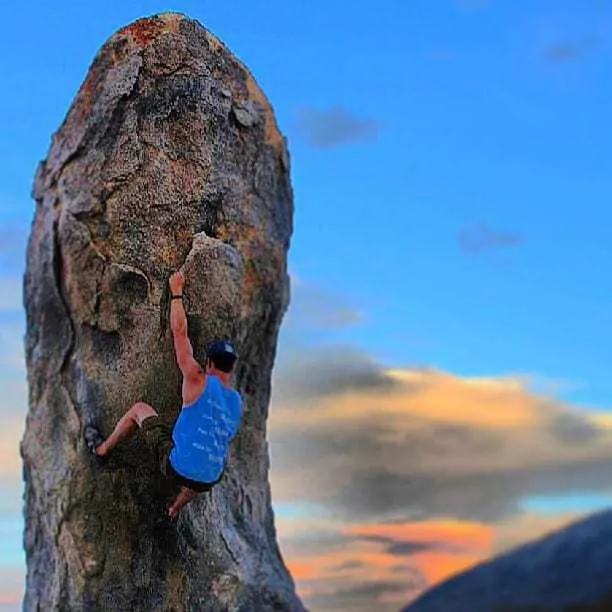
[194, 453]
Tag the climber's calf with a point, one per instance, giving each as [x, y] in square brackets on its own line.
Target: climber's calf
[127, 426]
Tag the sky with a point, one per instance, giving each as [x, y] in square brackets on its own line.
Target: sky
[452, 185]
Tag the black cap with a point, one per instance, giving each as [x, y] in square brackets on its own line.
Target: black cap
[220, 347]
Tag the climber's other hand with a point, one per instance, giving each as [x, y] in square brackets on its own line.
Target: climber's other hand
[177, 282]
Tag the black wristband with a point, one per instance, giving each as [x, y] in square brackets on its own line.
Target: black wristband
[176, 297]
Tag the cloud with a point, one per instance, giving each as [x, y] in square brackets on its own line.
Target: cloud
[414, 474]
[565, 51]
[10, 467]
[315, 316]
[10, 293]
[363, 597]
[332, 561]
[407, 549]
[13, 404]
[10, 599]
[13, 408]
[574, 429]
[407, 476]
[12, 355]
[12, 566]
[313, 309]
[480, 238]
[13, 243]
[429, 443]
[329, 371]
[340, 571]
[421, 536]
[335, 127]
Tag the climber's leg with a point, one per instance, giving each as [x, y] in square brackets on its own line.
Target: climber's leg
[182, 499]
[127, 426]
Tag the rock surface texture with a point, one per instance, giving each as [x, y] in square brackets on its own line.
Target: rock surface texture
[169, 156]
[567, 571]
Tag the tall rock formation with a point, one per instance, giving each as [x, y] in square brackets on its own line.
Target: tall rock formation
[567, 571]
[169, 156]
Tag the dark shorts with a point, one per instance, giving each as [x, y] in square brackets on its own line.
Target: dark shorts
[161, 435]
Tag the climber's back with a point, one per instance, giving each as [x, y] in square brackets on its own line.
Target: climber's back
[204, 430]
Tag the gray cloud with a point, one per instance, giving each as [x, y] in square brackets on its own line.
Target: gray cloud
[480, 238]
[335, 127]
[349, 565]
[327, 371]
[315, 543]
[366, 444]
[564, 51]
[312, 545]
[573, 429]
[407, 549]
[377, 465]
[474, 497]
[315, 309]
[403, 548]
[366, 597]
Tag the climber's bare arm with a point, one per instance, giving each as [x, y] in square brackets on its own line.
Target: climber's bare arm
[178, 324]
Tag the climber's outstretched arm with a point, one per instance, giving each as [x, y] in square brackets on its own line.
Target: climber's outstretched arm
[178, 323]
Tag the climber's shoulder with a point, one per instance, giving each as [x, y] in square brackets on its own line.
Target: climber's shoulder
[193, 386]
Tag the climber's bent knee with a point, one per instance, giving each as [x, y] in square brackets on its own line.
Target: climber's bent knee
[141, 411]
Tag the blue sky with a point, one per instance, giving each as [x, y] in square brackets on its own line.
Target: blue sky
[411, 124]
[483, 113]
[553, 504]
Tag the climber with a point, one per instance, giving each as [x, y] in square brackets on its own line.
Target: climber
[194, 452]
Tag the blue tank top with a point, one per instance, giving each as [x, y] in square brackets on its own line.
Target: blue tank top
[203, 431]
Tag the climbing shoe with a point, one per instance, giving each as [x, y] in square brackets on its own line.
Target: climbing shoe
[93, 439]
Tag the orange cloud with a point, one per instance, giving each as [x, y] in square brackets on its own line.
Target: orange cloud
[13, 581]
[10, 459]
[490, 403]
[356, 559]
[349, 556]
[373, 443]
[10, 597]
[437, 566]
[456, 534]
[455, 545]
[324, 580]
[301, 570]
